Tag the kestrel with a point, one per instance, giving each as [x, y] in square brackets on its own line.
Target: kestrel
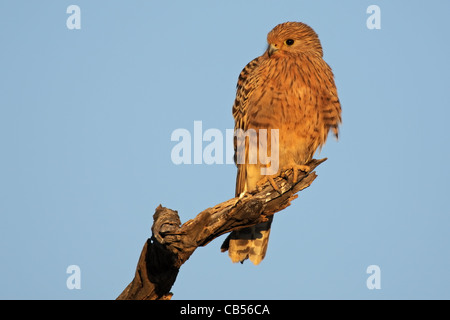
[290, 88]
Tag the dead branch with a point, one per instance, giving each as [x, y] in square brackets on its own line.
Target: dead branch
[171, 243]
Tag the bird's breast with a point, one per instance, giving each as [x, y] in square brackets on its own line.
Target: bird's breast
[285, 96]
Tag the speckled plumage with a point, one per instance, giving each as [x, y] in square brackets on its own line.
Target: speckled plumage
[289, 88]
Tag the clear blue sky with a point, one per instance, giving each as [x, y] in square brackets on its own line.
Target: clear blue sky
[85, 123]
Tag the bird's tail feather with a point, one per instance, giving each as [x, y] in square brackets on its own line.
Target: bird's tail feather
[248, 243]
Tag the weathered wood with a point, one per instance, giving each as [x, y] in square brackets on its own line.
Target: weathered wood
[171, 245]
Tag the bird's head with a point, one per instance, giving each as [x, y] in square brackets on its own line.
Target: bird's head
[293, 37]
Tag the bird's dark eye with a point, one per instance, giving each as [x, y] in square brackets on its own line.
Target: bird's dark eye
[289, 42]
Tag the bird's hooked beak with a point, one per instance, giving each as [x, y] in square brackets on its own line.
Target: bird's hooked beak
[271, 49]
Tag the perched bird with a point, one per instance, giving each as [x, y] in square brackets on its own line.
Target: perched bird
[289, 88]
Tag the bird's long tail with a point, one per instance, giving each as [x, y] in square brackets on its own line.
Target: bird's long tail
[248, 243]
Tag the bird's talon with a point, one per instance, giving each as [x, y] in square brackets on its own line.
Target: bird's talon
[295, 169]
[262, 182]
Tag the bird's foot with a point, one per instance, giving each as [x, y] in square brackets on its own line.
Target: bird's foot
[295, 168]
[271, 180]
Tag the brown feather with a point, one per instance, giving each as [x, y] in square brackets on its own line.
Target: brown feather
[291, 89]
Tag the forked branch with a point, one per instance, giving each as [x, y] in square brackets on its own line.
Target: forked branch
[171, 243]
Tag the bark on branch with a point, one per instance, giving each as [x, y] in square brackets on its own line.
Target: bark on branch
[171, 243]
